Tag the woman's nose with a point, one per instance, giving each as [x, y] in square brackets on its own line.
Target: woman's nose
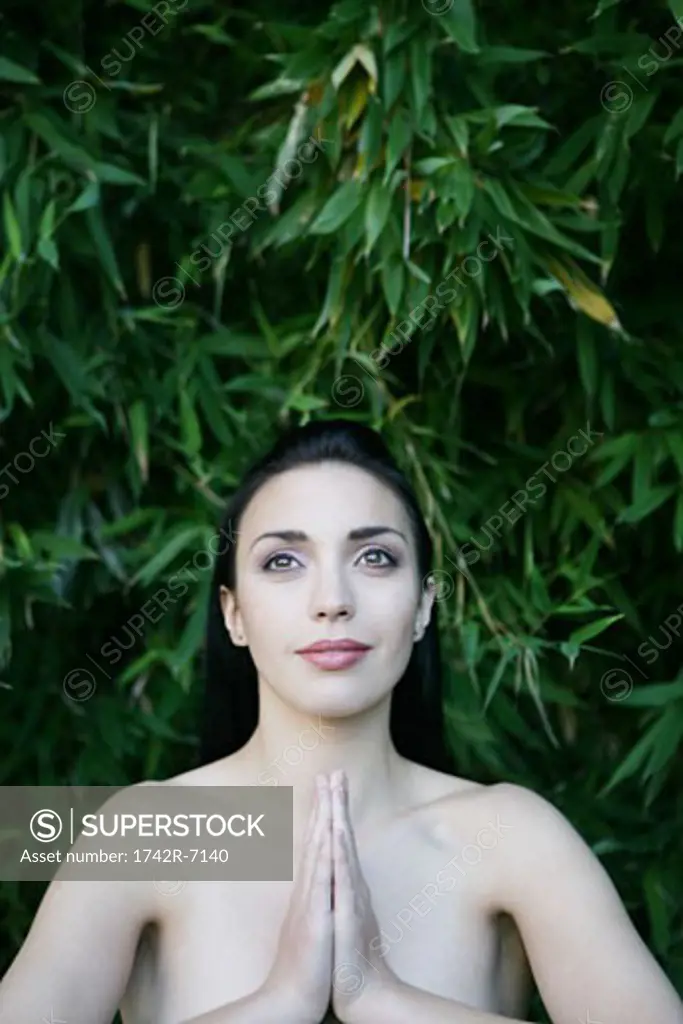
[333, 611]
[332, 598]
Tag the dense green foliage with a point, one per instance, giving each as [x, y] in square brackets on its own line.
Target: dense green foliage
[163, 308]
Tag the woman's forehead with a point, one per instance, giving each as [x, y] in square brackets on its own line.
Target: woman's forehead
[326, 499]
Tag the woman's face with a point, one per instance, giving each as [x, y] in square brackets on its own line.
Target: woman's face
[292, 592]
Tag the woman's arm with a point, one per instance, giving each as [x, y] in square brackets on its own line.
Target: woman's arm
[259, 1007]
[77, 956]
[75, 962]
[586, 956]
[405, 1004]
[589, 962]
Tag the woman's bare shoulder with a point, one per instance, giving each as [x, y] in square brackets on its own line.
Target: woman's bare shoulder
[458, 791]
[464, 807]
[429, 786]
[228, 771]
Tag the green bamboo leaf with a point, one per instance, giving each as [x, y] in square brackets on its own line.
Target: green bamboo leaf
[153, 151]
[139, 428]
[214, 34]
[674, 441]
[47, 220]
[395, 70]
[12, 229]
[586, 511]
[669, 741]
[586, 351]
[12, 72]
[593, 629]
[132, 672]
[186, 539]
[60, 547]
[460, 186]
[141, 517]
[305, 403]
[395, 33]
[393, 279]
[52, 132]
[47, 250]
[90, 196]
[399, 137]
[338, 208]
[191, 638]
[191, 431]
[635, 758]
[104, 248]
[225, 342]
[69, 365]
[459, 23]
[418, 273]
[513, 114]
[370, 138]
[278, 87]
[431, 164]
[420, 74]
[639, 113]
[377, 210]
[496, 679]
[465, 316]
[115, 175]
[509, 55]
[654, 695]
[649, 503]
[460, 130]
[603, 5]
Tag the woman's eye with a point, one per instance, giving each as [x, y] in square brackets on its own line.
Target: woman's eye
[376, 558]
[383, 554]
[278, 558]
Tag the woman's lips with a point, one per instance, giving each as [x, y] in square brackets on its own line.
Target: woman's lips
[335, 659]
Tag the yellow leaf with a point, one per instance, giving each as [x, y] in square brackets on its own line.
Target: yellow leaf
[398, 405]
[416, 190]
[357, 103]
[583, 294]
[315, 93]
[465, 317]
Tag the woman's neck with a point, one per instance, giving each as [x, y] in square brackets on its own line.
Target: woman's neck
[289, 747]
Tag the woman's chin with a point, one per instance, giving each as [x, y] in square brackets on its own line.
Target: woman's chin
[339, 698]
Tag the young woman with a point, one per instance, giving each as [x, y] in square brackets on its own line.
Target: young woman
[417, 895]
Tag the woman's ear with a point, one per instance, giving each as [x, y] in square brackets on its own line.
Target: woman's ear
[232, 617]
[424, 608]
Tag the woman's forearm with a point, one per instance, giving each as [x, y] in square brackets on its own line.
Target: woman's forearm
[258, 1007]
[405, 1004]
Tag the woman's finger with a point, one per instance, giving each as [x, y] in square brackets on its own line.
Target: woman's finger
[321, 891]
[351, 836]
[308, 856]
[311, 817]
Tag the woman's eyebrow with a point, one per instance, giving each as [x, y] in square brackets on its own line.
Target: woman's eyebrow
[298, 536]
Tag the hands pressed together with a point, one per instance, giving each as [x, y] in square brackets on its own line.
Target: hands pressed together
[326, 950]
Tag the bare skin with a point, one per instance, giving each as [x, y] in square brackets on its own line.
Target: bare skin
[182, 971]
[445, 891]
